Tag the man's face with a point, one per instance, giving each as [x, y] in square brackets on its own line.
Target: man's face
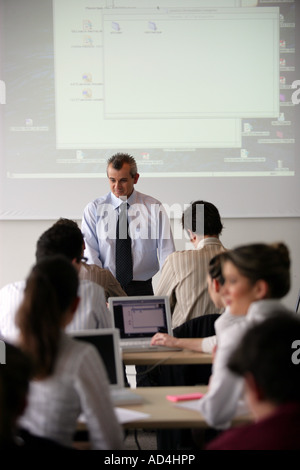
[120, 181]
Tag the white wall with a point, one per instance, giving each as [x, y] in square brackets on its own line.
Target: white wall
[18, 239]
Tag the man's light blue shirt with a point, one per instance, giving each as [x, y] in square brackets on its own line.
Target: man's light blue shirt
[149, 228]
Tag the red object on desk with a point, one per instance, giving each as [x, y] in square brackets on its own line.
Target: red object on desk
[185, 396]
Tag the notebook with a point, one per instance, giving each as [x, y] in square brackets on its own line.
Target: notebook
[139, 318]
[107, 343]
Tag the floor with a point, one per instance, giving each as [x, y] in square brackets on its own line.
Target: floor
[140, 440]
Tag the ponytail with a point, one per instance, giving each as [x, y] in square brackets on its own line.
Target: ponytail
[49, 291]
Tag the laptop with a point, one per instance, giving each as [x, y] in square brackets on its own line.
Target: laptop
[139, 318]
[107, 343]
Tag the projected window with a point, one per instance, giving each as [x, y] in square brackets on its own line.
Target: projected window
[175, 63]
[165, 78]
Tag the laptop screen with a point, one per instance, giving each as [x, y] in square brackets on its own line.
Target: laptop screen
[140, 317]
[106, 342]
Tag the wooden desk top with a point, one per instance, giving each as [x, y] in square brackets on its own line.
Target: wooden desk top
[166, 357]
[164, 414]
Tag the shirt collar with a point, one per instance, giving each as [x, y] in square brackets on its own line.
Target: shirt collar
[116, 201]
[208, 241]
[261, 309]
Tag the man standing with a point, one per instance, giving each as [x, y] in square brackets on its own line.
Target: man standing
[144, 245]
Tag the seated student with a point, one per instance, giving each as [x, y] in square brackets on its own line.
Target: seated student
[264, 358]
[256, 277]
[183, 276]
[14, 382]
[93, 272]
[69, 377]
[215, 281]
[92, 311]
[15, 376]
[191, 374]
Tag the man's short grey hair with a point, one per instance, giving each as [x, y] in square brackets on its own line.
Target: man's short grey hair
[117, 161]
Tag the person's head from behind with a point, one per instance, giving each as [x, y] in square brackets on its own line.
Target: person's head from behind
[122, 174]
[215, 280]
[72, 226]
[63, 238]
[200, 219]
[15, 375]
[264, 359]
[255, 272]
[49, 304]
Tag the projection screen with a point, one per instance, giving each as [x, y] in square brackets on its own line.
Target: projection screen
[203, 93]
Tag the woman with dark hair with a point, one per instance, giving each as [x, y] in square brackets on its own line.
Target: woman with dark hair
[69, 376]
[256, 277]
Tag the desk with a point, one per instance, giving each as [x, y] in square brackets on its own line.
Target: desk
[166, 357]
[164, 414]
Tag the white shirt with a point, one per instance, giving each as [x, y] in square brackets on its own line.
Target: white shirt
[91, 313]
[149, 229]
[78, 385]
[220, 403]
[225, 320]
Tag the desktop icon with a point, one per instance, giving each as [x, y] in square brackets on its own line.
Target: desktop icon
[87, 25]
[282, 62]
[87, 93]
[282, 80]
[87, 41]
[152, 25]
[248, 127]
[115, 26]
[279, 134]
[87, 77]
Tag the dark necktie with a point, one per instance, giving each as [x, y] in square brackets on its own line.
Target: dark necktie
[123, 248]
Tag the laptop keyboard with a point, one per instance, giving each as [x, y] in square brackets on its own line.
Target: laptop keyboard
[144, 346]
[136, 344]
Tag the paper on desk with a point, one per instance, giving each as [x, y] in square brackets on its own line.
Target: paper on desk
[123, 416]
[190, 404]
[126, 416]
[242, 408]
